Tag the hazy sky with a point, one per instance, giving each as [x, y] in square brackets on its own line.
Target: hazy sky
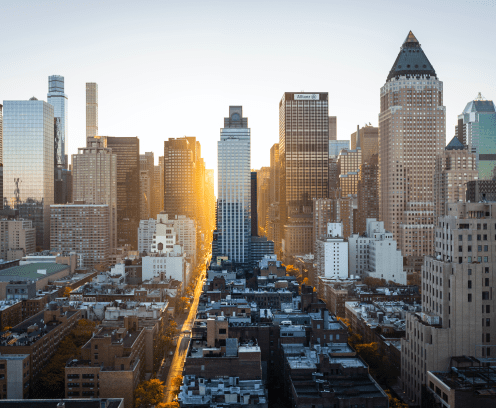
[172, 68]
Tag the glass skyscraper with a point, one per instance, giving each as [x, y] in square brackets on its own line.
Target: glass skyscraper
[234, 185]
[28, 152]
[477, 130]
[58, 99]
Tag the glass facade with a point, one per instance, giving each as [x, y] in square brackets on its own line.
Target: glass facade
[58, 99]
[234, 188]
[28, 135]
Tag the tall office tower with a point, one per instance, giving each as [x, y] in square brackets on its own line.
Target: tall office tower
[254, 209]
[412, 129]
[367, 194]
[233, 183]
[28, 162]
[333, 130]
[477, 130]
[369, 141]
[200, 193]
[303, 149]
[158, 185]
[81, 228]
[263, 199]
[349, 164]
[63, 178]
[458, 303]
[455, 167]
[210, 204]
[95, 180]
[162, 186]
[91, 109]
[147, 162]
[304, 155]
[126, 150]
[17, 239]
[58, 99]
[179, 177]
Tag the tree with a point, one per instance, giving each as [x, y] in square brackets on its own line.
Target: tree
[67, 291]
[168, 405]
[149, 393]
[175, 384]
[394, 402]
[374, 282]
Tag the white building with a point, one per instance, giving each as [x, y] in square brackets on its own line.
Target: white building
[375, 254]
[168, 232]
[331, 254]
[146, 230]
[172, 263]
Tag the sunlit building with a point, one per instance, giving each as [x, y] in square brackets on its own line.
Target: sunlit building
[28, 162]
[91, 109]
[412, 128]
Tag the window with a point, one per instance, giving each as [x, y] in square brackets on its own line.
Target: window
[488, 337]
[485, 295]
[488, 309]
[488, 322]
[469, 248]
[485, 259]
[460, 237]
[479, 248]
[469, 297]
[469, 284]
[486, 282]
[470, 237]
[470, 271]
[485, 248]
[486, 269]
[479, 237]
[222, 331]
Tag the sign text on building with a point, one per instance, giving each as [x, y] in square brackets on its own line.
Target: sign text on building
[306, 97]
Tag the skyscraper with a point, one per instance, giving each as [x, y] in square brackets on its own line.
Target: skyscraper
[95, 180]
[412, 129]
[349, 164]
[254, 209]
[367, 194]
[62, 177]
[147, 161]
[28, 151]
[304, 156]
[333, 131]
[58, 99]
[369, 141]
[234, 201]
[128, 188]
[477, 130]
[91, 109]
[455, 167]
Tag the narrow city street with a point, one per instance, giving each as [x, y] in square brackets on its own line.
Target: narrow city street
[184, 336]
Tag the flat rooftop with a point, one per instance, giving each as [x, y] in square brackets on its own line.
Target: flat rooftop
[30, 271]
[69, 403]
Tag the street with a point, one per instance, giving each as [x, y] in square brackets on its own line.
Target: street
[176, 367]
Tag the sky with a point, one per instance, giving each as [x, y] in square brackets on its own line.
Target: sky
[172, 68]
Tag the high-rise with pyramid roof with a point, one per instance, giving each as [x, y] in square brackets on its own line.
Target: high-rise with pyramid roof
[411, 134]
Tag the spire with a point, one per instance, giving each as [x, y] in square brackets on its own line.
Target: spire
[410, 38]
[480, 97]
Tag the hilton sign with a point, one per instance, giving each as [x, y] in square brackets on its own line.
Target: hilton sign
[306, 97]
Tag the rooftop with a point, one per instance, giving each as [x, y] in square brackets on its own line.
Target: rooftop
[69, 403]
[31, 271]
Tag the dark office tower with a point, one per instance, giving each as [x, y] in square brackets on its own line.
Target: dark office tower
[412, 128]
[147, 197]
[333, 130]
[128, 188]
[368, 194]
[304, 155]
[254, 212]
[179, 177]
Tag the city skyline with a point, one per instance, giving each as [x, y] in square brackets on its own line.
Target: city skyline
[338, 69]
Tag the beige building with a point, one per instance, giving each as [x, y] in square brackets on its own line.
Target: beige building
[298, 236]
[95, 180]
[91, 109]
[17, 239]
[369, 141]
[457, 297]
[412, 133]
[81, 228]
[455, 167]
[349, 162]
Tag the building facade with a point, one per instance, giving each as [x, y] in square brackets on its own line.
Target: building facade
[457, 300]
[369, 141]
[331, 254]
[84, 229]
[17, 239]
[234, 188]
[95, 180]
[28, 162]
[412, 128]
[126, 150]
[146, 231]
[367, 194]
